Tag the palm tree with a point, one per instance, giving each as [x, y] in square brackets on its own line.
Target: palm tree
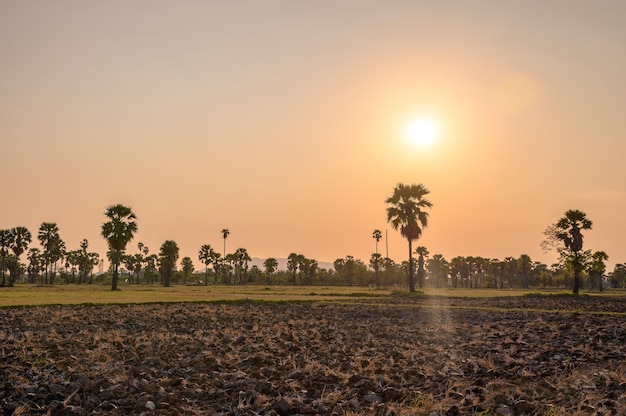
[21, 238]
[168, 256]
[241, 258]
[227, 267]
[569, 231]
[406, 212]
[225, 233]
[205, 255]
[34, 263]
[377, 235]
[375, 261]
[118, 231]
[422, 252]
[217, 264]
[52, 246]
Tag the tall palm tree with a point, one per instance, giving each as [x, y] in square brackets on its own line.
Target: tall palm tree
[406, 212]
[225, 233]
[118, 231]
[377, 235]
[51, 242]
[569, 231]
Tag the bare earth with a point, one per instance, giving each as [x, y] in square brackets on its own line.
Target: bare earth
[428, 356]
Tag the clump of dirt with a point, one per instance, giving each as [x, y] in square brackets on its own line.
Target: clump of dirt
[429, 357]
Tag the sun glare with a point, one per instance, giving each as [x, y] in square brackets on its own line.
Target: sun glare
[422, 132]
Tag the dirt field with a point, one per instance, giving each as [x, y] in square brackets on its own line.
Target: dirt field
[499, 356]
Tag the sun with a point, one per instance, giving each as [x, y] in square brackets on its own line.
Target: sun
[422, 132]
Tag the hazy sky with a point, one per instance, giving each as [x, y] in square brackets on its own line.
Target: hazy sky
[284, 121]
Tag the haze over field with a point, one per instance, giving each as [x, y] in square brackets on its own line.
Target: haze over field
[286, 122]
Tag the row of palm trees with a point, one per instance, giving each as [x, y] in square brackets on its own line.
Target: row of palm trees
[14, 240]
[406, 211]
[44, 260]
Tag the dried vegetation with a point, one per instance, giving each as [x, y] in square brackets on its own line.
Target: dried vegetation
[413, 357]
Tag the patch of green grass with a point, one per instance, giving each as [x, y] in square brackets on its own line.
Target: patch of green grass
[560, 294]
[350, 295]
[99, 294]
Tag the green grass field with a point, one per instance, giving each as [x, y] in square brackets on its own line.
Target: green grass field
[62, 294]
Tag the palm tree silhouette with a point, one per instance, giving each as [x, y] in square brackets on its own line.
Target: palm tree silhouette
[206, 256]
[406, 211]
[422, 252]
[225, 233]
[118, 231]
[377, 235]
[569, 231]
[168, 256]
[50, 241]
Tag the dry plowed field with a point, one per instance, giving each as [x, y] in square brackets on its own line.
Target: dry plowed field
[500, 356]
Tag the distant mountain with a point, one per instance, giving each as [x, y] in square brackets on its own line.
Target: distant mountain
[282, 264]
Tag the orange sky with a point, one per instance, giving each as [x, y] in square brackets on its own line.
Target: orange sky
[284, 122]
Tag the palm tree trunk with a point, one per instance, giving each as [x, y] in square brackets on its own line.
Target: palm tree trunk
[411, 281]
[114, 280]
[601, 283]
[577, 267]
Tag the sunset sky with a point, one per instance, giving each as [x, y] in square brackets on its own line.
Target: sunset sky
[285, 121]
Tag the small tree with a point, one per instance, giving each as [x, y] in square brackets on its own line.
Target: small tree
[566, 235]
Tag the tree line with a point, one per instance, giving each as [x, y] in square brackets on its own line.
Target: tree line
[406, 212]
